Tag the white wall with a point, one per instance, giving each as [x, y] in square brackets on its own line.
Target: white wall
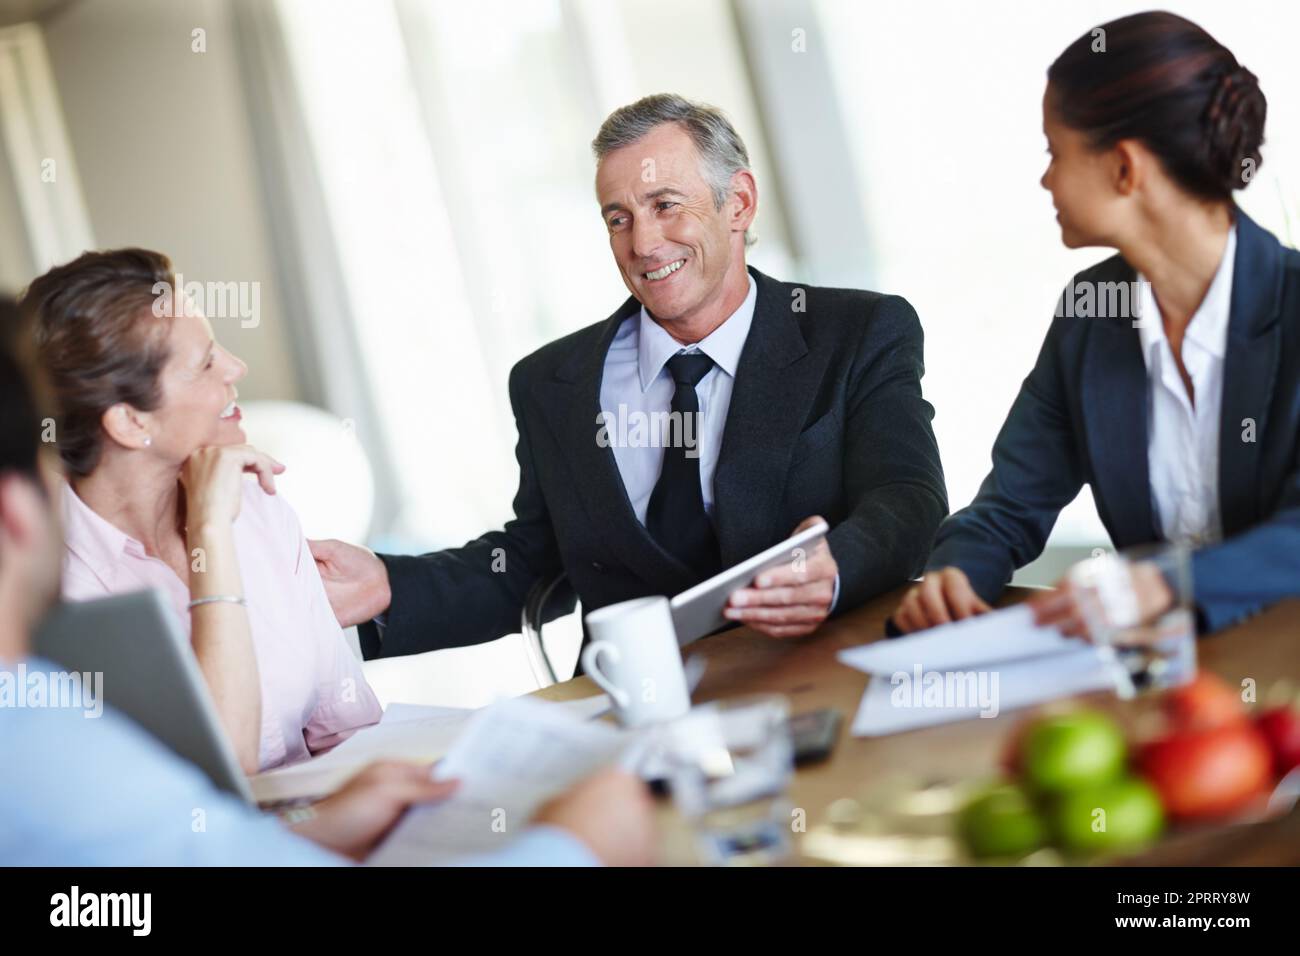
[15, 255]
[163, 148]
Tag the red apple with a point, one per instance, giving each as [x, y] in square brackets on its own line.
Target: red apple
[1205, 703]
[1209, 773]
[1281, 728]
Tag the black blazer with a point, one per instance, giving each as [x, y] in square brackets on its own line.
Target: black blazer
[1081, 417]
[826, 417]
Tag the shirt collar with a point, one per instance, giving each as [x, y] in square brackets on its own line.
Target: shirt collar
[1209, 325]
[92, 539]
[724, 344]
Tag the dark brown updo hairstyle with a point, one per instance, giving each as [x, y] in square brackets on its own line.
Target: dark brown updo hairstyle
[100, 342]
[1165, 82]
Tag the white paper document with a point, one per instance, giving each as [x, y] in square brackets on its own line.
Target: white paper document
[923, 697]
[410, 737]
[978, 667]
[512, 757]
[412, 732]
[985, 639]
[396, 713]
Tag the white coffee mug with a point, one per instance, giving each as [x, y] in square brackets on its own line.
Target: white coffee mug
[635, 659]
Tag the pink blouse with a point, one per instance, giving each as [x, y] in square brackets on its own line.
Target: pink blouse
[314, 694]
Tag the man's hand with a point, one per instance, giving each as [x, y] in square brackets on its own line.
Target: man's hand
[354, 820]
[356, 582]
[1063, 606]
[791, 600]
[940, 597]
[612, 813]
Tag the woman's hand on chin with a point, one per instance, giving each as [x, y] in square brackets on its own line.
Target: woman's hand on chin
[213, 480]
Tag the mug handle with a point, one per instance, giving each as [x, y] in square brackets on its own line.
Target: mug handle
[589, 656]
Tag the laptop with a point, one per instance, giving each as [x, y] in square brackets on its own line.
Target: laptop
[150, 675]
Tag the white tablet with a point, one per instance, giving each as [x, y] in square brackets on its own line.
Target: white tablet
[698, 611]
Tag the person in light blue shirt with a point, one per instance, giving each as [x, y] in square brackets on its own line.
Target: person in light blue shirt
[87, 787]
[100, 791]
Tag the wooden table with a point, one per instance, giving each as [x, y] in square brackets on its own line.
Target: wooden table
[1265, 648]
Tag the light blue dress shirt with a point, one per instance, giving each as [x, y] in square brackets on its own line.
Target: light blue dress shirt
[99, 791]
[636, 381]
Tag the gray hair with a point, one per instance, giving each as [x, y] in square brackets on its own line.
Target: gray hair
[722, 151]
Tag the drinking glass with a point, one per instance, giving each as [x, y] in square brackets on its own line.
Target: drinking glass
[1153, 649]
[729, 764]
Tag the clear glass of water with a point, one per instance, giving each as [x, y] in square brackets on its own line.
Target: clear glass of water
[729, 764]
[1152, 649]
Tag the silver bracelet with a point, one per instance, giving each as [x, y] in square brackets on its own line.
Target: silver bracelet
[216, 598]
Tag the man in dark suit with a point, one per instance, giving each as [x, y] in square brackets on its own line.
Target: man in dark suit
[779, 403]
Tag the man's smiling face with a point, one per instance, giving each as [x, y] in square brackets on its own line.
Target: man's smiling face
[673, 245]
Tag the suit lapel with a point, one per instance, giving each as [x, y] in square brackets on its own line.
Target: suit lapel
[1114, 396]
[1249, 371]
[1114, 405]
[769, 404]
[570, 403]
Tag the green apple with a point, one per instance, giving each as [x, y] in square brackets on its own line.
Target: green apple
[1064, 752]
[1001, 822]
[1115, 817]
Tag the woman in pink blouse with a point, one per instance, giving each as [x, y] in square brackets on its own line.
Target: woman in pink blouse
[157, 497]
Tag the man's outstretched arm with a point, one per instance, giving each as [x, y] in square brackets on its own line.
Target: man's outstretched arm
[450, 598]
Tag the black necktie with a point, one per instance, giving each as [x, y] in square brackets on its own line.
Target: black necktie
[676, 516]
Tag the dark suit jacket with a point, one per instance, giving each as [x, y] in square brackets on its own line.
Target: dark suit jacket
[1081, 417]
[826, 417]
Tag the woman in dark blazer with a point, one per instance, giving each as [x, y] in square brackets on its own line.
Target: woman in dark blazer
[1169, 380]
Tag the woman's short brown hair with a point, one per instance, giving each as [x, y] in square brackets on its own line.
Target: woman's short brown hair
[100, 342]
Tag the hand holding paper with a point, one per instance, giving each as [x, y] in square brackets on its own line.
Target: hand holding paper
[512, 757]
[978, 667]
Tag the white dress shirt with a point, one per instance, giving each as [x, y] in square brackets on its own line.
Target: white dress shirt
[636, 378]
[1182, 437]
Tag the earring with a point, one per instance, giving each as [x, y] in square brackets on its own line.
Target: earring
[148, 440]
